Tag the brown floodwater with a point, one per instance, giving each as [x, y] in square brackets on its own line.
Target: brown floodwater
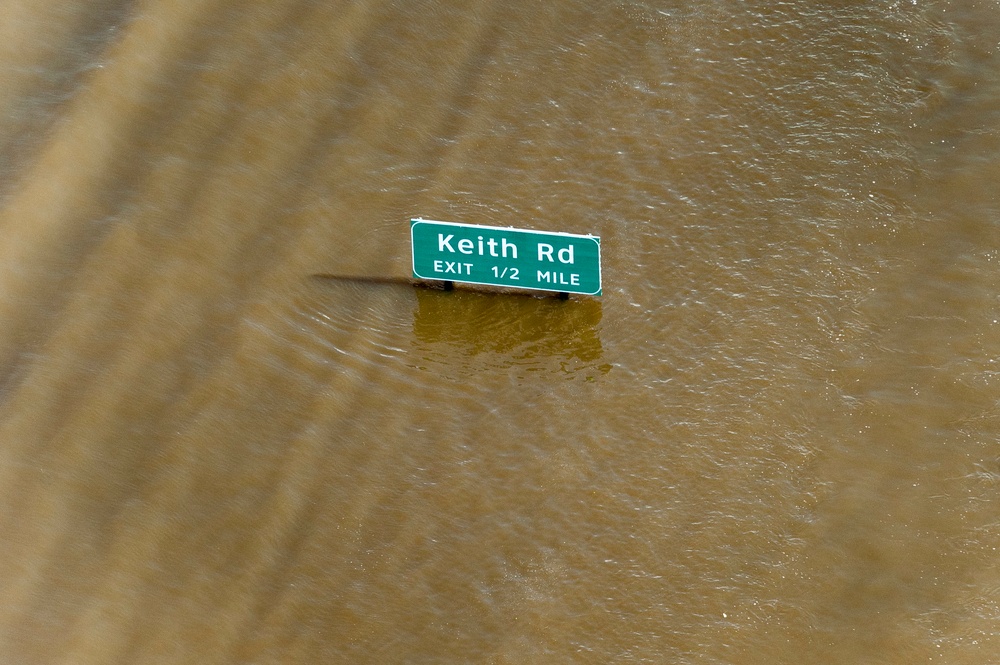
[774, 439]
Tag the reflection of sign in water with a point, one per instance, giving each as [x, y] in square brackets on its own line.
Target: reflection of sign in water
[497, 256]
[530, 333]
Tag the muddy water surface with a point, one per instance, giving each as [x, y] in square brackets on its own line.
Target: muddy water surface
[774, 439]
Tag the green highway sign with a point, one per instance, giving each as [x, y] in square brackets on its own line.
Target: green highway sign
[498, 256]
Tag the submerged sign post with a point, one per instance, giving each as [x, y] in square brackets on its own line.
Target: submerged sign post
[499, 256]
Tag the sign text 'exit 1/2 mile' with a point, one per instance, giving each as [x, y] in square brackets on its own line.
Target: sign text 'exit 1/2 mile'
[498, 256]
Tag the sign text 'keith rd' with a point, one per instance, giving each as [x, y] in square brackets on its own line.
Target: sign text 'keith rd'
[498, 256]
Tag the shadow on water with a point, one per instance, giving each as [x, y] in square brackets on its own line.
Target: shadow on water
[465, 333]
[529, 333]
